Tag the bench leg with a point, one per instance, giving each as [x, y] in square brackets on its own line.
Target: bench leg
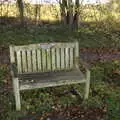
[17, 93]
[87, 84]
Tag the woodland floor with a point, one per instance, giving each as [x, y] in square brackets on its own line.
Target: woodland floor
[65, 112]
[99, 49]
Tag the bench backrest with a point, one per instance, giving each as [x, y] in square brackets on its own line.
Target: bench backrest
[44, 56]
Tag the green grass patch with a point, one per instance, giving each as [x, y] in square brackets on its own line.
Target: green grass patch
[57, 33]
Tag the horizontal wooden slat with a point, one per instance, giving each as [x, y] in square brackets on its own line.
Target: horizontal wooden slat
[50, 84]
[38, 46]
[51, 78]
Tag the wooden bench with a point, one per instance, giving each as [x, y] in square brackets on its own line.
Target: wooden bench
[46, 65]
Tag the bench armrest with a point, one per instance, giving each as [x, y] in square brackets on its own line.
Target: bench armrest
[80, 64]
[13, 70]
[85, 65]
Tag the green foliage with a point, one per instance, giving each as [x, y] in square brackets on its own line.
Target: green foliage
[87, 37]
[105, 95]
[40, 101]
[113, 102]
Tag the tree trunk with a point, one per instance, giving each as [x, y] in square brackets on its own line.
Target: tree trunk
[70, 9]
[63, 5]
[77, 14]
[37, 13]
[70, 13]
[21, 10]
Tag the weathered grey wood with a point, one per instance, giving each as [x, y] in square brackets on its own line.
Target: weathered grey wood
[15, 80]
[29, 62]
[77, 49]
[71, 58]
[12, 54]
[24, 61]
[49, 60]
[13, 70]
[48, 84]
[77, 56]
[44, 68]
[62, 59]
[34, 61]
[17, 93]
[39, 80]
[46, 65]
[37, 46]
[19, 62]
[39, 58]
[58, 58]
[51, 76]
[53, 59]
[67, 58]
[87, 84]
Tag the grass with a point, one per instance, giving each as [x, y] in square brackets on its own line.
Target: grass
[88, 37]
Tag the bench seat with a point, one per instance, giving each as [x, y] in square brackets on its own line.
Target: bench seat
[47, 79]
[47, 65]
